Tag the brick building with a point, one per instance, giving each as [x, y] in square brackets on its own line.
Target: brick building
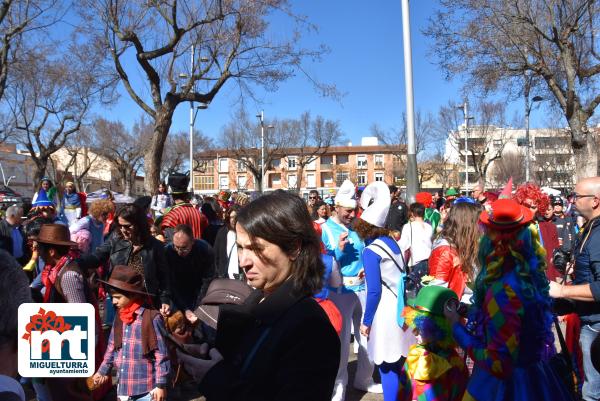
[362, 164]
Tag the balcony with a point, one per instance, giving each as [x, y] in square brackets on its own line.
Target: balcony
[379, 166]
[326, 166]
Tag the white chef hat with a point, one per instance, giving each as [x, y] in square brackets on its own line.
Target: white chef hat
[375, 213]
[345, 195]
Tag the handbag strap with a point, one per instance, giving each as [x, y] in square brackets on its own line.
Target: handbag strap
[561, 340]
[391, 257]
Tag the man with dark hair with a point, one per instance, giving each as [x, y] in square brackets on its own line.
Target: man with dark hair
[313, 197]
[182, 212]
[190, 268]
[398, 213]
[14, 291]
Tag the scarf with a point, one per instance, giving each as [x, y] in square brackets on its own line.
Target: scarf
[50, 273]
[71, 199]
[127, 313]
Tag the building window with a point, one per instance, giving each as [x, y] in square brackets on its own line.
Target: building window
[276, 163]
[204, 182]
[362, 179]
[361, 161]
[206, 166]
[223, 182]
[311, 180]
[326, 162]
[379, 177]
[292, 162]
[242, 181]
[223, 165]
[341, 159]
[312, 165]
[275, 179]
[292, 180]
[497, 143]
[241, 166]
[378, 161]
[326, 178]
[340, 177]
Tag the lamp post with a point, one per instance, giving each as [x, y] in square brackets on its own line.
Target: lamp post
[465, 108]
[10, 178]
[411, 156]
[528, 105]
[193, 115]
[261, 118]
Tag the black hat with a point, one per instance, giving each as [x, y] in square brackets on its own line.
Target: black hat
[556, 200]
[178, 183]
[221, 291]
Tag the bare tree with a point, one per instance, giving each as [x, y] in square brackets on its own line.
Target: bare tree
[510, 165]
[228, 42]
[486, 137]
[81, 157]
[122, 148]
[17, 19]
[307, 140]
[495, 43]
[242, 139]
[176, 153]
[49, 99]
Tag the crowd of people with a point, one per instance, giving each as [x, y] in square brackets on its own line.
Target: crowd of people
[492, 296]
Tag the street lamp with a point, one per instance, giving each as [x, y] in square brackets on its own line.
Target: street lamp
[464, 108]
[10, 178]
[193, 115]
[528, 105]
[261, 118]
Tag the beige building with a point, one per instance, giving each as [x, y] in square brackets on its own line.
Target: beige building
[361, 164]
[16, 169]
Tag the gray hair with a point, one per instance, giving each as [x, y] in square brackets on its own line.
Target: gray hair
[14, 211]
[14, 291]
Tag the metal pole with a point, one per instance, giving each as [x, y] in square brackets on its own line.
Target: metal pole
[262, 151]
[465, 110]
[412, 185]
[527, 152]
[191, 183]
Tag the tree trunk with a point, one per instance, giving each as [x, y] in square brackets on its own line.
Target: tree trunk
[584, 147]
[154, 150]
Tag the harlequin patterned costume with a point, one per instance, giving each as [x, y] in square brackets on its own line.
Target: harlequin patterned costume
[436, 370]
[508, 335]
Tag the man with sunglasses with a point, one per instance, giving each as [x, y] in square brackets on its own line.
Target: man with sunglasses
[586, 288]
[313, 197]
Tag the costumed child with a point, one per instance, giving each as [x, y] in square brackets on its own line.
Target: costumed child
[436, 370]
[136, 347]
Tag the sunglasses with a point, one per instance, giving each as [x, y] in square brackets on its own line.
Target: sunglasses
[126, 226]
[579, 196]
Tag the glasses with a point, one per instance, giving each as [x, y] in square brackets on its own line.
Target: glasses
[182, 249]
[126, 226]
[579, 196]
[312, 197]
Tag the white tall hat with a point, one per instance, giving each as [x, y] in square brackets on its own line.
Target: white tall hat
[345, 196]
[377, 212]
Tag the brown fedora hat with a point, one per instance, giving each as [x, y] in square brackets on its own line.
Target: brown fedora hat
[126, 279]
[54, 234]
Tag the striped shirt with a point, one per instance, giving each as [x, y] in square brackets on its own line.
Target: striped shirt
[185, 214]
[137, 374]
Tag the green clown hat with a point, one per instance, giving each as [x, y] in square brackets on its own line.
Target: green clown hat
[433, 298]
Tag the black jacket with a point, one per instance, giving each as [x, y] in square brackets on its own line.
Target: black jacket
[189, 276]
[282, 349]
[6, 241]
[117, 251]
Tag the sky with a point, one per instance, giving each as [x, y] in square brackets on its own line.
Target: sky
[365, 62]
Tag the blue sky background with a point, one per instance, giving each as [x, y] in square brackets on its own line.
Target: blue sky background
[365, 62]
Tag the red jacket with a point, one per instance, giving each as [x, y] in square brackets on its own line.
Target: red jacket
[549, 237]
[445, 265]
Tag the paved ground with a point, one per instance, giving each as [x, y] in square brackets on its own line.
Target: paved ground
[190, 393]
